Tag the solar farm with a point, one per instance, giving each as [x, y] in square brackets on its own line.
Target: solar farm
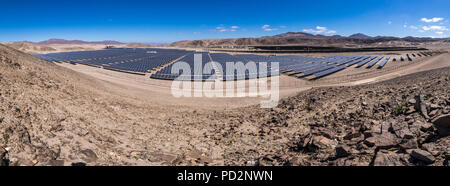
[158, 63]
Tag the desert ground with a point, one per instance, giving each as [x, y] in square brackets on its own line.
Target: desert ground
[64, 114]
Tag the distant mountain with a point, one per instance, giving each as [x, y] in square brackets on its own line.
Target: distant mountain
[359, 36]
[293, 35]
[76, 42]
[301, 38]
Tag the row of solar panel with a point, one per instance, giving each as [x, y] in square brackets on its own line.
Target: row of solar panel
[144, 60]
[334, 64]
[237, 72]
[211, 77]
[133, 60]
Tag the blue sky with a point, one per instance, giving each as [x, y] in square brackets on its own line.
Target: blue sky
[170, 20]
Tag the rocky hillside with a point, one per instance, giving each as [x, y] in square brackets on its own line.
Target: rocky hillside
[401, 122]
[300, 38]
[47, 113]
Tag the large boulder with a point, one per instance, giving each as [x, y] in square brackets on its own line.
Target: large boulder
[423, 156]
[442, 124]
[383, 141]
[342, 151]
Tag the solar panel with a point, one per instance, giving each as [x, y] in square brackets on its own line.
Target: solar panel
[371, 64]
[329, 71]
[310, 72]
[409, 57]
[362, 63]
[356, 60]
[383, 63]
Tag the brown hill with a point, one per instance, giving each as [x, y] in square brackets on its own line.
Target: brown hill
[50, 115]
[31, 47]
[300, 38]
[76, 42]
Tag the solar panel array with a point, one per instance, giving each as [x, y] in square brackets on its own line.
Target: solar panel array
[160, 62]
[315, 68]
[125, 59]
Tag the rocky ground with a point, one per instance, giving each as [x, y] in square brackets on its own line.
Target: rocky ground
[401, 122]
[50, 115]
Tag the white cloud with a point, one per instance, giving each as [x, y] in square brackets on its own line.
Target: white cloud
[433, 28]
[440, 33]
[320, 30]
[413, 27]
[267, 28]
[432, 20]
[222, 28]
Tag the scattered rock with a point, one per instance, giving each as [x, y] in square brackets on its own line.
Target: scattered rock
[401, 130]
[78, 164]
[162, 157]
[321, 142]
[409, 118]
[250, 163]
[386, 158]
[197, 156]
[352, 135]
[447, 154]
[442, 124]
[24, 162]
[410, 110]
[423, 156]
[426, 127]
[89, 156]
[409, 144]
[342, 151]
[421, 106]
[434, 106]
[433, 113]
[430, 147]
[384, 141]
[56, 163]
[412, 101]
[3, 160]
